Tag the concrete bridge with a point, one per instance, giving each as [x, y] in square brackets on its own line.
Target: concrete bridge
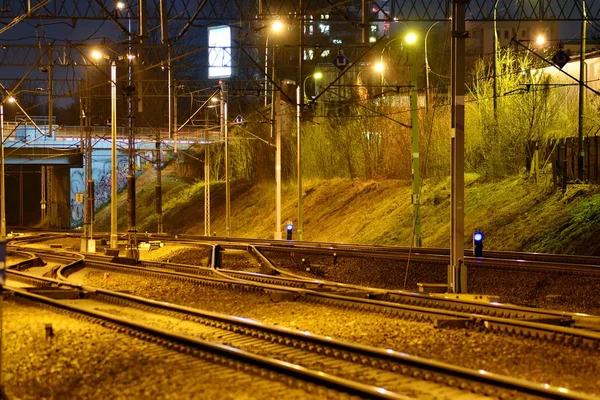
[44, 173]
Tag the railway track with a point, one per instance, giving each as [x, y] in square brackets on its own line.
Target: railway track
[323, 362]
[545, 324]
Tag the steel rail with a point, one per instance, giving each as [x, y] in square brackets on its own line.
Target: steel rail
[528, 322]
[183, 341]
[381, 359]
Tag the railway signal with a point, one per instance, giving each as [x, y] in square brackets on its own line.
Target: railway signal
[289, 227]
[478, 243]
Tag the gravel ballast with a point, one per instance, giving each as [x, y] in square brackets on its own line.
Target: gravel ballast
[564, 291]
[573, 368]
[83, 360]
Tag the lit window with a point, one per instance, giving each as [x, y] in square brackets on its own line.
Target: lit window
[374, 28]
[309, 54]
[337, 41]
[324, 28]
[324, 16]
[372, 39]
[324, 53]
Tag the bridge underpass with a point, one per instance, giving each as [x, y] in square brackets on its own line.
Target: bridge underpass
[30, 172]
[48, 169]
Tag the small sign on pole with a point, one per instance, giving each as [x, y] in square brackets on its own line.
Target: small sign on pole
[561, 58]
[239, 120]
[341, 61]
[79, 197]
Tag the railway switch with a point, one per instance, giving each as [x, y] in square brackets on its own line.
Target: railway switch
[478, 243]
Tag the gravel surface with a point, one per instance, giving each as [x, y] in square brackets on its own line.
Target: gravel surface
[573, 368]
[180, 254]
[86, 361]
[551, 290]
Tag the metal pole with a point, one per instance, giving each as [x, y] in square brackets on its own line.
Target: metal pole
[299, 162]
[2, 188]
[227, 171]
[457, 273]
[48, 185]
[207, 188]
[113, 150]
[416, 174]
[84, 237]
[132, 250]
[266, 69]
[495, 62]
[276, 100]
[50, 90]
[582, 80]
[88, 166]
[158, 187]
[170, 89]
[299, 106]
[43, 194]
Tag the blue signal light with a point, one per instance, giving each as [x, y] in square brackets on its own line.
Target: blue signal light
[289, 227]
[478, 243]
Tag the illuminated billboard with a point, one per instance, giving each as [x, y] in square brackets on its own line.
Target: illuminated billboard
[219, 52]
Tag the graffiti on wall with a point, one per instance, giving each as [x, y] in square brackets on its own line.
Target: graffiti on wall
[101, 174]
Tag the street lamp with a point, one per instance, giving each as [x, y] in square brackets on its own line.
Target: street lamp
[427, 69]
[540, 40]
[276, 27]
[316, 76]
[380, 67]
[113, 149]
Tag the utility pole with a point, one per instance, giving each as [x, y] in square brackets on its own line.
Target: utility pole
[132, 247]
[87, 244]
[158, 188]
[495, 62]
[299, 107]
[207, 185]
[415, 157]
[582, 81]
[227, 171]
[277, 122]
[457, 272]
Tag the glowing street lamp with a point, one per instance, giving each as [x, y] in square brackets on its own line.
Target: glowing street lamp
[316, 76]
[540, 40]
[276, 27]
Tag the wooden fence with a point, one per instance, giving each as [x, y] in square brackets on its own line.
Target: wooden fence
[563, 154]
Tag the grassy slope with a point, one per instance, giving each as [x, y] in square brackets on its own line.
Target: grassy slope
[515, 214]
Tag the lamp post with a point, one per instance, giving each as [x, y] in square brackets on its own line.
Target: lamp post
[113, 152]
[316, 76]
[113, 148]
[276, 27]
[427, 69]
